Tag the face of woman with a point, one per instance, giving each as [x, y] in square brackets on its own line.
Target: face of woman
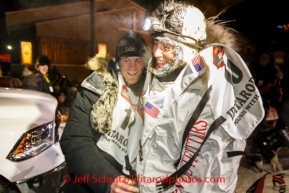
[131, 68]
[43, 69]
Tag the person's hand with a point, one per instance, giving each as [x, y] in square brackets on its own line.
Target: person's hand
[122, 184]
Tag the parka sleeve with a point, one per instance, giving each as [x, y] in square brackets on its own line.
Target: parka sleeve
[30, 82]
[78, 144]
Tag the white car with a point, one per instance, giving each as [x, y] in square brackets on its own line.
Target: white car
[28, 138]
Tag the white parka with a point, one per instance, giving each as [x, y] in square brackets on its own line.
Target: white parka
[234, 101]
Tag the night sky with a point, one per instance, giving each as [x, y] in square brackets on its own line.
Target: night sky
[256, 19]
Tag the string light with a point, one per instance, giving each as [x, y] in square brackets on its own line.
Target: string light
[283, 27]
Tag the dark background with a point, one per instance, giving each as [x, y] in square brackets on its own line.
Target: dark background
[255, 19]
[258, 20]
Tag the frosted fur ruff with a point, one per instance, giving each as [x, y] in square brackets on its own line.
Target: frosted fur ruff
[106, 85]
[102, 110]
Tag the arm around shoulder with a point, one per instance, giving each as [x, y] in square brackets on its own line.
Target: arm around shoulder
[78, 144]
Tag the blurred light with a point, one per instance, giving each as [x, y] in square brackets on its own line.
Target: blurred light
[284, 26]
[26, 52]
[9, 47]
[102, 48]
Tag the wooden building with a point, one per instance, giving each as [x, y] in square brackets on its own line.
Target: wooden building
[71, 33]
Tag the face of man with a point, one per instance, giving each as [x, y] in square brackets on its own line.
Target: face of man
[131, 68]
[43, 69]
[164, 53]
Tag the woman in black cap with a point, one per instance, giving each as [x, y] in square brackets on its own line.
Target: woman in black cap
[38, 80]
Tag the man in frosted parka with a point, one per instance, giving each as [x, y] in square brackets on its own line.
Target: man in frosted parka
[202, 103]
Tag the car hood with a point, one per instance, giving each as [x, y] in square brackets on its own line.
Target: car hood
[20, 111]
[30, 108]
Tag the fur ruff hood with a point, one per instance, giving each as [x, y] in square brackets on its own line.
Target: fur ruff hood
[28, 70]
[102, 81]
[218, 32]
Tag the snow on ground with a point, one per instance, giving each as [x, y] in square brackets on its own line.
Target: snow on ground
[248, 174]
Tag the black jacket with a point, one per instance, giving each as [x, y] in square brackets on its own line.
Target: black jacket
[78, 143]
[35, 82]
[94, 168]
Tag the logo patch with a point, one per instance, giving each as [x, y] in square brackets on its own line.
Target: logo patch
[198, 63]
[218, 54]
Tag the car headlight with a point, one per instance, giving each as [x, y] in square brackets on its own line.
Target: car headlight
[33, 142]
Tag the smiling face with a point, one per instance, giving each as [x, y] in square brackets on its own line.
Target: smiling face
[131, 68]
[164, 53]
[43, 69]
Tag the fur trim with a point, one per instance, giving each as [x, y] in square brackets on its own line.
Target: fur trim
[147, 55]
[218, 32]
[104, 84]
[99, 62]
[27, 71]
[94, 83]
[102, 110]
[15, 79]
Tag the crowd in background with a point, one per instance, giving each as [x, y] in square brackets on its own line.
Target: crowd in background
[64, 90]
[42, 77]
[270, 75]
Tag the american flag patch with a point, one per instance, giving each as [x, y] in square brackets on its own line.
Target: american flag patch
[151, 110]
[198, 63]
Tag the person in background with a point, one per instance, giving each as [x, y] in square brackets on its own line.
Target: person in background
[56, 89]
[283, 108]
[74, 83]
[39, 79]
[15, 83]
[55, 76]
[267, 137]
[72, 94]
[106, 104]
[64, 85]
[265, 77]
[200, 107]
[63, 106]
